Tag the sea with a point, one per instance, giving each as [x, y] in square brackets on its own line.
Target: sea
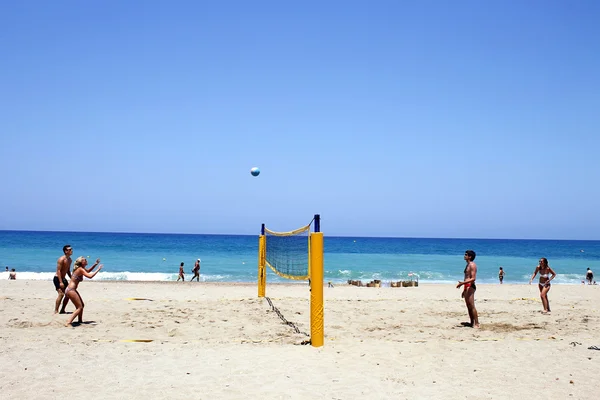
[234, 258]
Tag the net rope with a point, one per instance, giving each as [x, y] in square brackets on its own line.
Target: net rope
[287, 253]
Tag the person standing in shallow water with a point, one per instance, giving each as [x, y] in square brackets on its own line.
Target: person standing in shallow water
[501, 275]
[181, 273]
[196, 271]
[469, 288]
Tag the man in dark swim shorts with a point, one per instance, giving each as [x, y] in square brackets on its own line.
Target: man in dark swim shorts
[57, 284]
[63, 267]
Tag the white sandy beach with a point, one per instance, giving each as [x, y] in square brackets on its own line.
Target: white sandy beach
[220, 341]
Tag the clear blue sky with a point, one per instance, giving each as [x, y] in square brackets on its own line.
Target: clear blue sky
[389, 118]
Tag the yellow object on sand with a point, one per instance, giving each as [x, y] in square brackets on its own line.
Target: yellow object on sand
[527, 298]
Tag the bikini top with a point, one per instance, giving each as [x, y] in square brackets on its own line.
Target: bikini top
[78, 277]
[544, 275]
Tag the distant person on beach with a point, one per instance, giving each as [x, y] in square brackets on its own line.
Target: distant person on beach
[546, 275]
[501, 275]
[589, 276]
[181, 273]
[196, 271]
[7, 268]
[13, 275]
[469, 288]
[63, 267]
[71, 292]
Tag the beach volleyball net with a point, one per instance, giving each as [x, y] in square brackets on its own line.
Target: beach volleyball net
[287, 253]
[296, 255]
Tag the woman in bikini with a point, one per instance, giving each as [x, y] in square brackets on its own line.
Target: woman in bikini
[546, 275]
[181, 274]
[71, 292]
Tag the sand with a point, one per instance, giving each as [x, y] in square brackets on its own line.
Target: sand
[220, 341]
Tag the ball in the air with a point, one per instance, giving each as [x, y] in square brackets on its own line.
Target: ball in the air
[255, 171]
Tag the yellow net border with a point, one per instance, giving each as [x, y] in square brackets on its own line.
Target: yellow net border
[290, 233]
[292, 277]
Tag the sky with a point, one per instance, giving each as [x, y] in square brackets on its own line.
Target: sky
[454, 119]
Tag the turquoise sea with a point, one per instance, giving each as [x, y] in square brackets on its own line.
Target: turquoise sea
[233, 258]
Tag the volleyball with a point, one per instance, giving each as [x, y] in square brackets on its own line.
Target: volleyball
[255, 171]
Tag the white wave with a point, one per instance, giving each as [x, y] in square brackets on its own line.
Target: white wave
[424, 277]
[33, 276]
[121, 276]
[155, 276]
[134, 276]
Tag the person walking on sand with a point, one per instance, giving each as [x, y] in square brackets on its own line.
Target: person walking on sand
[181, 273]
[546, 275]
[13, 275]
[63, 267]
[71, 292]
[469, 288]
[196, 271]
[589, 276]
[501, 275]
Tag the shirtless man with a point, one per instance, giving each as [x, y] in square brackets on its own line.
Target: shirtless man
[469, 288]
[196, 271]
[63, 267]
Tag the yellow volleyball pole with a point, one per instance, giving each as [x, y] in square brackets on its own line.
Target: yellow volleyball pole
[316, 286]
[262, 270]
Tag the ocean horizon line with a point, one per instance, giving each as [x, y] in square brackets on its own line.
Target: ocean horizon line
[331, 236]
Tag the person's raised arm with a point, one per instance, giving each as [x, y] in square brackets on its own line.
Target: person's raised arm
[90, 269]
[534, 274]
[90, 275]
